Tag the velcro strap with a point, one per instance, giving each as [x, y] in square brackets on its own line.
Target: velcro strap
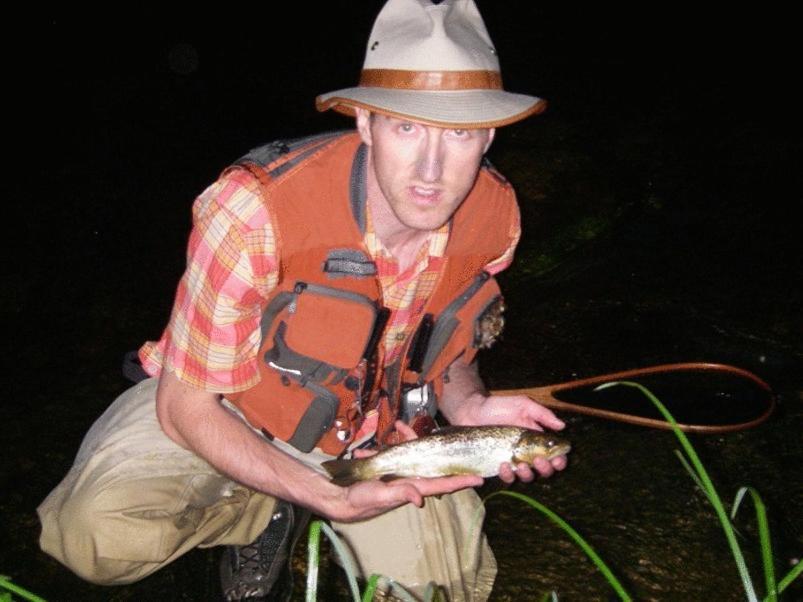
[348, 262]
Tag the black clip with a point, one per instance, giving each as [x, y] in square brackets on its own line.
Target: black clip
[418, 348]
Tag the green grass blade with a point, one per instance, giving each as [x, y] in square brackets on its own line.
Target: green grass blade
[550, 597]
[699, 469]
[586, 547]
[699, 483]
[313, 559]
[370, 588]
[5, 583]
[349, 566]
[764, 538]
[790, 576]
[395, 589]
[346, 560]
[691, 472]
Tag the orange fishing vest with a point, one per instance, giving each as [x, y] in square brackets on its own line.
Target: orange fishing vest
[321, 358]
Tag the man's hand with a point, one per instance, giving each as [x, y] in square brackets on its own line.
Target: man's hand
[371, 498]
[516, 410]
[465, 402]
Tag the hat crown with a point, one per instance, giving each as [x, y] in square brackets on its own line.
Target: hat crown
[417, 35]
[433, 64]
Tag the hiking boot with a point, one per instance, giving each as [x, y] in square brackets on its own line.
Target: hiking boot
[261, 570]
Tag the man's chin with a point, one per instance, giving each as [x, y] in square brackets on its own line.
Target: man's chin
[425, 224]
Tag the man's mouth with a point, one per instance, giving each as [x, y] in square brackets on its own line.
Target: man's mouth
[424, 194]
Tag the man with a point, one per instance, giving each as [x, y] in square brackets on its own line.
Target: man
[334, 285]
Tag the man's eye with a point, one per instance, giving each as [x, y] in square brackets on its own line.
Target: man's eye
[460, 133]
[406, 127]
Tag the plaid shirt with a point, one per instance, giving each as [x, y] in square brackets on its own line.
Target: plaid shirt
[213, 336]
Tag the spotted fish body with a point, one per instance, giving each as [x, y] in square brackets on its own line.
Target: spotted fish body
[477, 450]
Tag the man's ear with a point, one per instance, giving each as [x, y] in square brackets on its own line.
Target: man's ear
[491, 134]
[364, 124]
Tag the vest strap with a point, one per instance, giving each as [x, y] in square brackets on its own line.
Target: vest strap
[317, 419]
[446, 323]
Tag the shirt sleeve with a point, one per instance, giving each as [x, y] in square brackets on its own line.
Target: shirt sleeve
[213, 336]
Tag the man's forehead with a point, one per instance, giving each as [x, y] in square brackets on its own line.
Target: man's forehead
[373, 115]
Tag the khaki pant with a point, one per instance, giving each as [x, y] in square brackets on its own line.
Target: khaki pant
[134, 501]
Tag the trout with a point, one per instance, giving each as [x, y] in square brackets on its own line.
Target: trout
[456, 450]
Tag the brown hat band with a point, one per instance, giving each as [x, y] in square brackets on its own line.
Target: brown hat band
[400, 79]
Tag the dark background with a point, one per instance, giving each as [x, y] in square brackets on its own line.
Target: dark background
[673, 127]
[126, 119]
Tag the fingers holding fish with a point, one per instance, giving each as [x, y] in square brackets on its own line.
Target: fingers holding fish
[521, 471]
[405, 432]
[366, 499]
[429, 486]
[546, 467]
[558, 462]
[527, 472]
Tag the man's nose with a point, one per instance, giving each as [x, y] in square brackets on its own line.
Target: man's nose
[430, 163]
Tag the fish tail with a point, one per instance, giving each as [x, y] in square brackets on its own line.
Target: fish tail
[343, 472]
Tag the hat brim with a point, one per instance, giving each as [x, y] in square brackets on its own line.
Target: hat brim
[443, 108]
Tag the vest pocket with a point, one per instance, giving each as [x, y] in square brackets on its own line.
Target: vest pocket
[328, 325]
[300, 413]
[317, 344]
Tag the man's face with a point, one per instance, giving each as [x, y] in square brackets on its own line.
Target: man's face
[423, 172]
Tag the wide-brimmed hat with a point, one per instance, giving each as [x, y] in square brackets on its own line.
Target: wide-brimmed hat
[434, 64]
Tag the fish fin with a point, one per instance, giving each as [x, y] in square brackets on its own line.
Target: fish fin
[445, 430]
[343, 472]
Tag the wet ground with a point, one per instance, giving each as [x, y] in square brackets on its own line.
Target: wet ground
[656, 196]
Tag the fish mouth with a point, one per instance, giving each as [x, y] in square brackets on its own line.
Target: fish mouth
[561, 449]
